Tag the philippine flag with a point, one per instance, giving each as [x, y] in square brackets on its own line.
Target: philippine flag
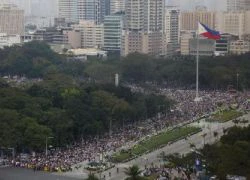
[207, 32]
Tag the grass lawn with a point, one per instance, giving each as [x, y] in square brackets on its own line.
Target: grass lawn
[226, 115]
[154, 142]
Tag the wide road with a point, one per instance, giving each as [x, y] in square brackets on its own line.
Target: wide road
[7, 173]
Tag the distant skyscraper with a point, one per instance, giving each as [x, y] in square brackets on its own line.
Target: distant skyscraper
[238, 5]
[143, 31]
[68, 9]
[172, 26]
[93, 10]
[117, 6]
[11, 19]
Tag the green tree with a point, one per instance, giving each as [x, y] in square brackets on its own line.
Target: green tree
[91, 177]
[134, 173]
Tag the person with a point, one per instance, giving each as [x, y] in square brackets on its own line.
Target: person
[109, 174]
[117, 170]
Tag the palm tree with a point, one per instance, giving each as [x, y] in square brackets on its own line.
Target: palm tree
[134, 173]
[92, 177]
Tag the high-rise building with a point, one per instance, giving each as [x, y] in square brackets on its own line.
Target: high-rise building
[238, 5]
[235, 23]
[91, 34]
[143, 30]
[11, 19]
[189, 19]
[113, 25]
[93, 10]
[172, 30]
[117, 6]
[68, 9]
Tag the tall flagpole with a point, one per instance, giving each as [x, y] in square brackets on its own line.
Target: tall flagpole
[197, 66]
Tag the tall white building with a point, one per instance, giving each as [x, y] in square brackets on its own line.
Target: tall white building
[11, 19]
[171, 25]
[68, 9]
[238, 5]
[143, 31]
[117, 6]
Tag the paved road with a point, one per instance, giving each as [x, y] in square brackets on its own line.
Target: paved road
[26, 174]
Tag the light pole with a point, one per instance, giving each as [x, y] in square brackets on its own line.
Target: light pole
[46, 144]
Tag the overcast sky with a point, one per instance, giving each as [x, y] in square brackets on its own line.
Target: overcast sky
[190, 4]
[48, 7]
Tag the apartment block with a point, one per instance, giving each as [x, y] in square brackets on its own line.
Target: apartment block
[11, 19]
[143, 31]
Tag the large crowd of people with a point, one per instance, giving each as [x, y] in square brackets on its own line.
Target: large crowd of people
[89, 150]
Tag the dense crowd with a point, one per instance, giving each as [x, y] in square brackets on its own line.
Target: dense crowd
[89, 150]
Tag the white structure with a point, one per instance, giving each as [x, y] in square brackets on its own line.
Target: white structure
[172, 27]
[238, 5]
[83, 54]
[91, 34]
[117, 6]
[143, 30]
[68, 9]
[9, 40]
[11, 19]
[116, 80]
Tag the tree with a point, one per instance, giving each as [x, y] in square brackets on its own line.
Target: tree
[91, 177]
[134, 173]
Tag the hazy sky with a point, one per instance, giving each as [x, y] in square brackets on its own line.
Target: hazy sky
[48, 7]
[190, 4]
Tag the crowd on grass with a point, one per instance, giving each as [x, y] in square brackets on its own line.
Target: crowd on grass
[89, 150]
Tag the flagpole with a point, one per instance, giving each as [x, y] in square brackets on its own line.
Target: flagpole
[197, 66]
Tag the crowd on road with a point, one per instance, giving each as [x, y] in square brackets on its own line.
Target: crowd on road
[166, 173]
[90, 150]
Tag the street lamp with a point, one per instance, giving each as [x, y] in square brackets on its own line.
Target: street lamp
[46, 144]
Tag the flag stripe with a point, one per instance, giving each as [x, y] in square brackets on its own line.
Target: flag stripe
[208, 33]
